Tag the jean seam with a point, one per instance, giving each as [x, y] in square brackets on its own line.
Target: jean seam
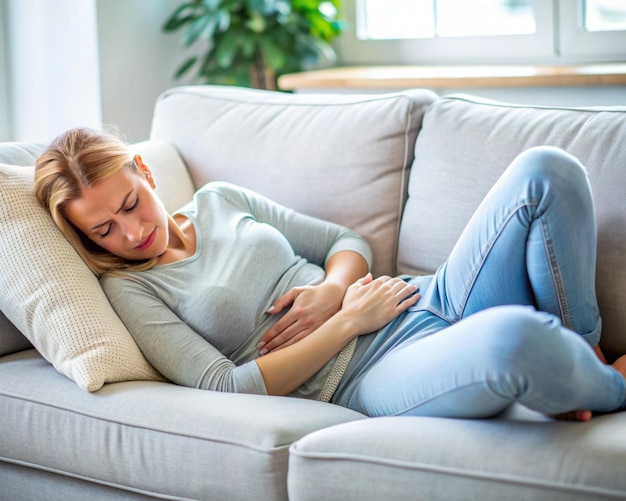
[435, 312]
[557, 277]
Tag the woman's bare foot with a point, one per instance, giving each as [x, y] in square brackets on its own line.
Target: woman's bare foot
[620, 365]
[585, 415]
[599, 353]
[581, 415]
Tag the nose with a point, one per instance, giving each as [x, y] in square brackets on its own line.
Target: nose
[133, 230]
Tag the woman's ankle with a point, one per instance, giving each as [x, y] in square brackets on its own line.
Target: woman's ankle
[620, 365]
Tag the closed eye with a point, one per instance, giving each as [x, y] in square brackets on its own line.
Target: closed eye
[132, 207]
[126, 211]
[106, 233]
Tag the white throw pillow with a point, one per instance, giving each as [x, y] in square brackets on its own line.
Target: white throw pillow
[53, 299]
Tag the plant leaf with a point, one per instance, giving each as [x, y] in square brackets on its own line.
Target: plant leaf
[226, 50]
[211, 4]
[256, 23]
[224, 19]
[273, 55]
[195, 29]
[179, 17]
[185, 67]
[248, 45]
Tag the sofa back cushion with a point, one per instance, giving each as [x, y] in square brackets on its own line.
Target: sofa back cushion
[342, 158]
[466, 143]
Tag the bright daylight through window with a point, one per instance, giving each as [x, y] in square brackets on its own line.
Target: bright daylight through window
[605, 15]
[397, 19]
[394, 19]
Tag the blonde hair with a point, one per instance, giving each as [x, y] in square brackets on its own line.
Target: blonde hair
[79, 158]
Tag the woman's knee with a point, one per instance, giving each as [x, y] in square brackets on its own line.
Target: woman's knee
[513, 333]
[549, 162]
[550, 168]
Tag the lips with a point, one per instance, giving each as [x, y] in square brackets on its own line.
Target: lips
[148, 241]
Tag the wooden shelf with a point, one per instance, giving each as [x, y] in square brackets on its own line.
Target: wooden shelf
[445, 77]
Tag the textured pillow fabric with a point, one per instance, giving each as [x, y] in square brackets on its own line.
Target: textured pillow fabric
[341, 158]
[464, 146]
[53, 299]
[15, 153]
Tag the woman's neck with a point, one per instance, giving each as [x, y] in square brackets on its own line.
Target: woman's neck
[182, 240]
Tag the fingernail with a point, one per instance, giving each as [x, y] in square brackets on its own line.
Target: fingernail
[270, 309]
[260, 344]
[263, 352]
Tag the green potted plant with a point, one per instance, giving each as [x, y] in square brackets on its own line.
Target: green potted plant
[252, 42]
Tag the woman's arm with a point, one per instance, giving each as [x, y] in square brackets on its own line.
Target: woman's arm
[368, 305]
[311, 306]
[173, 348]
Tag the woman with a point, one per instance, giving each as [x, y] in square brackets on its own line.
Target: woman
[237, 293]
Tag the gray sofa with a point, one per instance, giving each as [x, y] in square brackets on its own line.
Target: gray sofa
[406, 170]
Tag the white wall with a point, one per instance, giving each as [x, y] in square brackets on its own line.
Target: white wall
[53, 80]
[68, 63]
[137, 61]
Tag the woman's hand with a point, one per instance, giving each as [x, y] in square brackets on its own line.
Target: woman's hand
[309, 307]
[368, 305]
[371, 304]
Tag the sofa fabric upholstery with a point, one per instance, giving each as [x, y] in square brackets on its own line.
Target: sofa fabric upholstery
[351, 159]
[152, 438]
[342, 158]
[436, 459]
[11, 339]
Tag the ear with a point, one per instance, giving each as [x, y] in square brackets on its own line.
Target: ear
[145, 169]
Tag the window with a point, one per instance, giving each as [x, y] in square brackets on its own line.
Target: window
[484, 31]
[593, 30]
[389, 19]
[605, 15]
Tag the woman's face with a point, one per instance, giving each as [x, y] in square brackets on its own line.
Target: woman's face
[123, 215]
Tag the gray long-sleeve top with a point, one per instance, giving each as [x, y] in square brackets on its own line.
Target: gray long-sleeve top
[198, 320]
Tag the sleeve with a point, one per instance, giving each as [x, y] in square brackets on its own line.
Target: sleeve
[314, 239]
[172, 347]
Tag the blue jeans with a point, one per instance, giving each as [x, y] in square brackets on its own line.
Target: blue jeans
[511, 316]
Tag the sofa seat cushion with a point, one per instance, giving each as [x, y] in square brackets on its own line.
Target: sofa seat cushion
[464, 146]
[153, 438]
[403, 458]
[342, 158]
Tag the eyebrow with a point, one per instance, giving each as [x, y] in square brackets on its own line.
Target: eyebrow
[117, 211]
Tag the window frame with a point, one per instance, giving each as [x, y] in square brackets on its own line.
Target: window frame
[560, 39]
[576, 43]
